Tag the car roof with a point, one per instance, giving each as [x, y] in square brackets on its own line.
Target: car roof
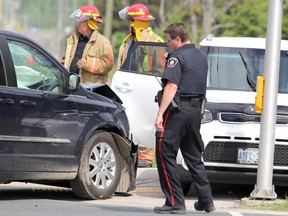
[239, 42]
[12, 34]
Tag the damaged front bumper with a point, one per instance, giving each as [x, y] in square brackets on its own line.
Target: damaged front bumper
[129, 153]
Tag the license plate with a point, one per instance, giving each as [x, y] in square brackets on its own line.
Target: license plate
[248, 156]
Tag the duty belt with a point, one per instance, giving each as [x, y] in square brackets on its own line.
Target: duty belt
[191, 101]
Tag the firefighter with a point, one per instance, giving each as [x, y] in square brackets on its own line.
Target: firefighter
[139, 17]
[88, 53]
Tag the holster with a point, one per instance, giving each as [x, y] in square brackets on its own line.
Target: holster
[172, 107]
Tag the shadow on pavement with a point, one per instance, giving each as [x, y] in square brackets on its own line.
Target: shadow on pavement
[29, 192]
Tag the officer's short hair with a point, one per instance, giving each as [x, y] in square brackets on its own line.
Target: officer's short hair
[177, 30]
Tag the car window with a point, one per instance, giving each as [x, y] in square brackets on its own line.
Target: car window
[33, 70]
[146, 58]
[247, 65]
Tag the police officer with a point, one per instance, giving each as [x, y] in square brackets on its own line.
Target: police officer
[178, 122]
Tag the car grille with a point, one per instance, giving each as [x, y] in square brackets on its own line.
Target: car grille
[245, 118]
[226, 152]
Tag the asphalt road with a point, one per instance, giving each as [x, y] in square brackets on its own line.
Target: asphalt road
[227, 198]
[20, 199]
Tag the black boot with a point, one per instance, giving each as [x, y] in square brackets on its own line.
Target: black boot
[206, 208]
[170, 209]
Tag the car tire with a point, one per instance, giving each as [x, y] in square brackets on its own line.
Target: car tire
[186, 187]
[100, 168]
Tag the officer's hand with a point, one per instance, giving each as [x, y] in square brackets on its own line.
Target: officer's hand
[159, 123]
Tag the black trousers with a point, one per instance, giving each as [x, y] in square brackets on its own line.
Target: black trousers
[181, 130]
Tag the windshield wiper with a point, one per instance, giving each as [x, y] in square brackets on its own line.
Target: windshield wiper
[250, 80]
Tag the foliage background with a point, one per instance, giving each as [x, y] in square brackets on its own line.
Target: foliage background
[48, 21]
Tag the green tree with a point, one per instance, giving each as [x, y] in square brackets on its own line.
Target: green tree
[248, 18]
[201, 17]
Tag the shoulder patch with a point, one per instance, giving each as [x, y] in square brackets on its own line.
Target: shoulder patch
[172, 62]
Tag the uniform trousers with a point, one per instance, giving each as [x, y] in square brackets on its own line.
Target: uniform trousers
[181, 130]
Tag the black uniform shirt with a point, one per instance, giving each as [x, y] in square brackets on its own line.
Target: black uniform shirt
[83, 40]
[187, 68]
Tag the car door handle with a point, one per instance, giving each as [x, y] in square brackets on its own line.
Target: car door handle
[6, 101]
[124, 87]
[28, 103]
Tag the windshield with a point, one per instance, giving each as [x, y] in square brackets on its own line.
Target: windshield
[238, 68]
[146, 58]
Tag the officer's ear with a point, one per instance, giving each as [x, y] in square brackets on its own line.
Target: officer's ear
[178, 39]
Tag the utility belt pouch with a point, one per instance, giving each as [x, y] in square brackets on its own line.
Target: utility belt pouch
[158, 97]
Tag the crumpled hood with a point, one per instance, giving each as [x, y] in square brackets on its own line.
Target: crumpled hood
[102, 89]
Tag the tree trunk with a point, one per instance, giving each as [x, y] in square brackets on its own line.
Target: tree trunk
[162, 13]
[208, 20]
[193, 21]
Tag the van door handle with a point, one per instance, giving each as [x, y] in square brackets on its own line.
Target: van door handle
[27, 103]
[6, 101]
[124, 87]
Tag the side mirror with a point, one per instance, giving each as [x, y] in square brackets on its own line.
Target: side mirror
[74, 82]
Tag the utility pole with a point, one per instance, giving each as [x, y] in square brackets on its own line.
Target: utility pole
[264, 188]
[60, 28]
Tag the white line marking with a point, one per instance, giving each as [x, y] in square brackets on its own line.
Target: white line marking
[235, 214]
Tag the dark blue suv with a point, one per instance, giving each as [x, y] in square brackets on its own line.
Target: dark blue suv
[54, 130]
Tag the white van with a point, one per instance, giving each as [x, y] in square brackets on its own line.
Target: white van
[230, 126]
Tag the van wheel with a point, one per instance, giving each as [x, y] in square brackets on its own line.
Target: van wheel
[100, 168]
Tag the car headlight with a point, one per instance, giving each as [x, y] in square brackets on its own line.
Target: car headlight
[207, 117]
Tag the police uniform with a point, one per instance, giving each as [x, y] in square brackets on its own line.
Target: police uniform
[187, 68]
